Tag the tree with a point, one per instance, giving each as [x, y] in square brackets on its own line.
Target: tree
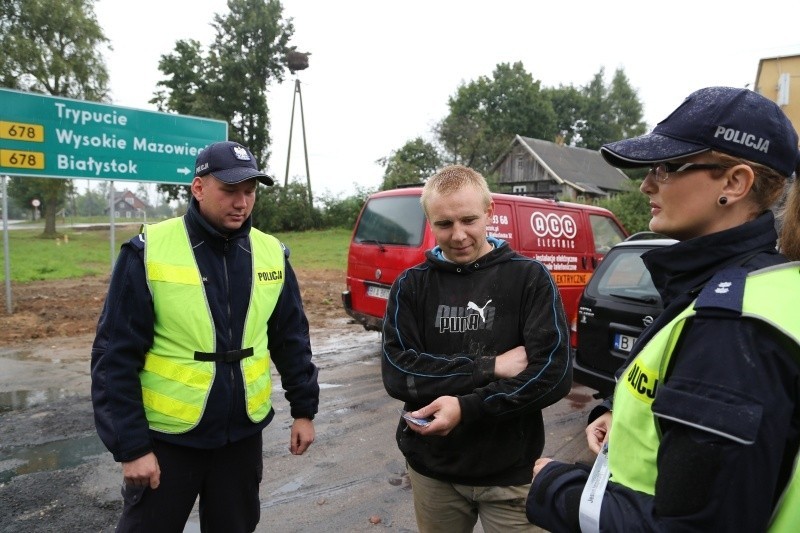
[91, 203]
[52, 47]
[485, 114]
[630, 207]
[612, 112]
[626, 110]
[414, 162]
[52, 193]
[569, 106]
[596, 126]
[229, 81]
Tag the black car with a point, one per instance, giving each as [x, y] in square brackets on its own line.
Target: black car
[617, 304]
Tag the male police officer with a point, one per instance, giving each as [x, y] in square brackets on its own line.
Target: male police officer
[197, 309]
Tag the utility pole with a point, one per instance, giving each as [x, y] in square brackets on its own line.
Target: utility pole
[298, 61]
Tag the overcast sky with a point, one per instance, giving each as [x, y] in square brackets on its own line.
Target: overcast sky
[381, 72]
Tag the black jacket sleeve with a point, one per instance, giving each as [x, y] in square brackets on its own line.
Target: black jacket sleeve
[124, 335]
[290, 349]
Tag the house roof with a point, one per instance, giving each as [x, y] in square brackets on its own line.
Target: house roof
[129, 198]
[583, 169]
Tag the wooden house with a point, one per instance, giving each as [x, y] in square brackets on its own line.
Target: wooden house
[128, 205]
[533, 167]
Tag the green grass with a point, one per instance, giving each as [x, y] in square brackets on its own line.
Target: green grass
[88, 252]
[317, 250]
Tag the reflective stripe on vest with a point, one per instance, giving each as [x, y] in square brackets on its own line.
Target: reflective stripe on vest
[175, 386]
[770, 295]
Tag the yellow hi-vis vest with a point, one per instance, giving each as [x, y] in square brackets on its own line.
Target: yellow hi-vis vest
[770, 295]
[175, 385]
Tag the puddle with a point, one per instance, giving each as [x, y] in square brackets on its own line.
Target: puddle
[21, 399]
[50, 456]
[288, 487]
[17, 354]
[39, 355]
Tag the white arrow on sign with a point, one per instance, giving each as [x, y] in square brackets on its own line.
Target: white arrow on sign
[183, 170]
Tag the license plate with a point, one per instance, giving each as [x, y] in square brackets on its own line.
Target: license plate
[378, 292]
[623, 343]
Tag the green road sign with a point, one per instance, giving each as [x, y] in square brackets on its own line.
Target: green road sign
[51, 137]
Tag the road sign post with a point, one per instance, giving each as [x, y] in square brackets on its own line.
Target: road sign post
[6, 259]
[51, 137]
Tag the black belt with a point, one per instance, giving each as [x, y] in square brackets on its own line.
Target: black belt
[227, 357]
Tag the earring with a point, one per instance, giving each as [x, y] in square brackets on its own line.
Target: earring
[723, 200]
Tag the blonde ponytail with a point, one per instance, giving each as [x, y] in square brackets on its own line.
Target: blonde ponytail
[789, 242]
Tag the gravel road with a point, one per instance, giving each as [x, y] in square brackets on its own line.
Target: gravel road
[56, 476]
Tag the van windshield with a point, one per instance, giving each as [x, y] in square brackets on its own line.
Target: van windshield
[392, 220]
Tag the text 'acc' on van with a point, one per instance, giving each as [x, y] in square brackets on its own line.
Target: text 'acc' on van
[392, 234]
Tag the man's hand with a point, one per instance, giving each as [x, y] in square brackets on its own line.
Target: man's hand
[444, 412]
[302, 435]
[142, 472]
[597, 431]
[510, 363]
[540, 463]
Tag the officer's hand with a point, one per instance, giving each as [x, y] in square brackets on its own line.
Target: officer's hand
[302, 435]
[142, 472]
[540, 463]
[597, 431]
[444, 412]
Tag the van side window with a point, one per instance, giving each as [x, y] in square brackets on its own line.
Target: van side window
[606, 233]
[392, 220]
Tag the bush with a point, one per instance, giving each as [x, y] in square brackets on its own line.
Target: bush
[343, 212]
[281, 209]
[631, 208]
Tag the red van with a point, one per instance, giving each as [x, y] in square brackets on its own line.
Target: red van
[392, 234]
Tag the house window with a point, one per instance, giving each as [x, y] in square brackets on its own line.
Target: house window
[519, 171]
[519, 189]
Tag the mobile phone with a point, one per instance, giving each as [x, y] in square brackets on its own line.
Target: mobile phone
[423, 422]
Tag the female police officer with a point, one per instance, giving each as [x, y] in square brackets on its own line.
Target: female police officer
[706, 412]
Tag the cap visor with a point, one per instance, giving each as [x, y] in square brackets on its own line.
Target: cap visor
[239, 174]
[648, 149]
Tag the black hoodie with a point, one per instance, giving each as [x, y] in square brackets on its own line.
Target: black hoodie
[445, 323]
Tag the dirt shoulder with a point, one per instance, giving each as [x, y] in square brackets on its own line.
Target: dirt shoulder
[70, 308]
